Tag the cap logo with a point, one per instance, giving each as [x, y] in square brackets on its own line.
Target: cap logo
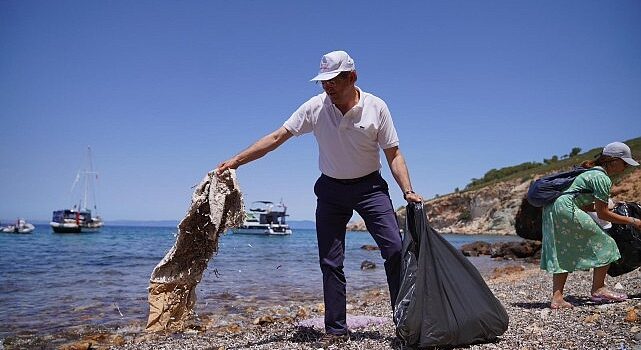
[325, 66]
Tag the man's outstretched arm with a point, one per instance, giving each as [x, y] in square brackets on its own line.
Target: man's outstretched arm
[260, 148]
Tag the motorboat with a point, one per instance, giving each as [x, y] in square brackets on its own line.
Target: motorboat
[80, 218]
[21, 226]
[75, 221]
[265, 218]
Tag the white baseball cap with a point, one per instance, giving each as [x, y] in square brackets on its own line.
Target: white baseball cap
[619, 150]
[332, 64]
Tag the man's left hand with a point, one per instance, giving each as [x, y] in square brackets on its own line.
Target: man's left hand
[413, 197]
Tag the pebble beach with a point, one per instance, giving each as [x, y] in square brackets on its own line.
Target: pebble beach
[522, 288]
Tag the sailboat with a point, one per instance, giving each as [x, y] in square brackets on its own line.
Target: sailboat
[80, 218]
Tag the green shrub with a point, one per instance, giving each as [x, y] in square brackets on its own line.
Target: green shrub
[465, 216]
[528, 170]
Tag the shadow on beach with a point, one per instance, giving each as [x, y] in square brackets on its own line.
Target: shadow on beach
[577, 301]
[309, 336]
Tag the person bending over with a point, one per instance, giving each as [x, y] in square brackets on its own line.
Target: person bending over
[572, 240]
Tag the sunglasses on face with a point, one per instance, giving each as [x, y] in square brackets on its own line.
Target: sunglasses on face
[334, 80]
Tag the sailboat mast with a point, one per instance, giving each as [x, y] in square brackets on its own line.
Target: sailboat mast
[94, 179]
[87, 177]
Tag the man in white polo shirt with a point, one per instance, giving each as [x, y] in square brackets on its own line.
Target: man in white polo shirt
[351, 127]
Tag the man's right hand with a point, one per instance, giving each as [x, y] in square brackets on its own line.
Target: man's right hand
[231, 163]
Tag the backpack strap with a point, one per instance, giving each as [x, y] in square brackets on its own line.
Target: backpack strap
[586, 190]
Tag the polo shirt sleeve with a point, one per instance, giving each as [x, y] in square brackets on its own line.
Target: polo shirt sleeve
[301, 121]
[387, 136]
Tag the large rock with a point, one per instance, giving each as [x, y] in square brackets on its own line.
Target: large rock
[476, 248]
[528, 221]
[507, 250]
[367, 265]
[520, 250]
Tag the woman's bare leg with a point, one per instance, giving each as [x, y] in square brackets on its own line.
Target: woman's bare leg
[598, 278]
[558, 283]
[600, 293]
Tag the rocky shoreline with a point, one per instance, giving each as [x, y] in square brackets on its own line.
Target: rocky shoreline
[522, 288]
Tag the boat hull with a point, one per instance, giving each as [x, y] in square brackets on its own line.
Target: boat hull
[20, 227]
[262, 231]
[21, 231]
[73, 228]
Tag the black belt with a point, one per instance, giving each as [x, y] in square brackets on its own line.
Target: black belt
[354, 181]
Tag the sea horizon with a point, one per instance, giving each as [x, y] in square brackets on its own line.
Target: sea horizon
[296, 224]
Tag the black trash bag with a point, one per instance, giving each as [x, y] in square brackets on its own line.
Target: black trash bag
[443, 300]
[628, 240]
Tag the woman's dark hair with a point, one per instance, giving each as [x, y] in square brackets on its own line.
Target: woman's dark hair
[601, 160]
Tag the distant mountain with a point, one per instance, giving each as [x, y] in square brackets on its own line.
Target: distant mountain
[146, 223]
[302, 224]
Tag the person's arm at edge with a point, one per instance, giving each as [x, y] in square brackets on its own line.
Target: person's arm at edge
[397, 165]
[260, 148]
[604, 213]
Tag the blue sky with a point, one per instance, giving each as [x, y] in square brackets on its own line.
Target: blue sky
[165, 90]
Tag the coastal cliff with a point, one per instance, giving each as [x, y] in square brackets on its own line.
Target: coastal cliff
[491, 209]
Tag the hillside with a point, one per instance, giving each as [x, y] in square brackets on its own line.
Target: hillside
[489, 205]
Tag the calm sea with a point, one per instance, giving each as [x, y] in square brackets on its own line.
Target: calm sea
[54, 282]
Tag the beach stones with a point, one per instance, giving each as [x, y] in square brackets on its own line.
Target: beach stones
[260, 321]
[353, 322]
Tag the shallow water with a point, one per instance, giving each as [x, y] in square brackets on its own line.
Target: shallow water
[52, 282]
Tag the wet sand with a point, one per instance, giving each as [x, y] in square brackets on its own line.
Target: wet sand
[522, 288]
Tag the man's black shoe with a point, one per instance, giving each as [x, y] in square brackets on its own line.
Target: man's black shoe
[331, 339]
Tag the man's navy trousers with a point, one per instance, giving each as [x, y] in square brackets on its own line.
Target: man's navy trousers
[337, 199]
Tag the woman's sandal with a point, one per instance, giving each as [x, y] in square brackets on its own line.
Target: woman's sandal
[608, 296]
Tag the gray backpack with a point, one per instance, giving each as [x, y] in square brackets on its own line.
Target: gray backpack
[547, 189]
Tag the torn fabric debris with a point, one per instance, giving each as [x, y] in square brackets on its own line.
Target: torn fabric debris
[216, 205]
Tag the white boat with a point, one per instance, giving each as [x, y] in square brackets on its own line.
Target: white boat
[265, 218]
[75, 221]
[80, 218]
[21, 226]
